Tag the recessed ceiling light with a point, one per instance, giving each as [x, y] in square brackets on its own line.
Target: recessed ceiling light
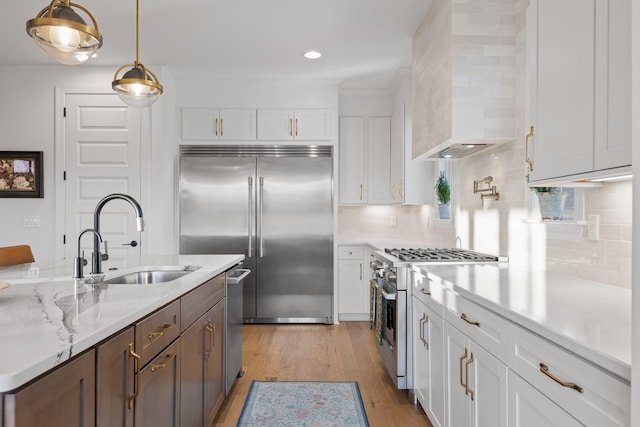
[312, 54]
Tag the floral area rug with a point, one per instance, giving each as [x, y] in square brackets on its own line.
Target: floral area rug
[303, 404]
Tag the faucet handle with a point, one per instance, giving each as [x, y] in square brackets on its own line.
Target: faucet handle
[84, 260]
[105, 255]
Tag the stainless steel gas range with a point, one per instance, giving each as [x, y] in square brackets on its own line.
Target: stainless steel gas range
[392, 281]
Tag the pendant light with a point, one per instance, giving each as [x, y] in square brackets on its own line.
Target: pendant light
[138, 87]
[62, 34]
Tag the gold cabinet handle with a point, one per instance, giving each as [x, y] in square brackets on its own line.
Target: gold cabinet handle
[421, 328]
[132, 397]
[424, 341]
[209, 327]
[425, 292]
[290, 126]
[529, 161]
[400, 190]
[297, 127]
[159, 366]
[222, 126]
[464, 356]
[216, 127]
[467, 390]
[393, 189]
[471, 322]
[360, 192]
[545, 370]
[161, 332]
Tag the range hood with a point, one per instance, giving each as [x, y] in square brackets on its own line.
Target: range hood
[457, 148]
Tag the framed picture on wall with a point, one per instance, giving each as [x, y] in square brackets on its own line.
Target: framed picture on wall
[21, 174]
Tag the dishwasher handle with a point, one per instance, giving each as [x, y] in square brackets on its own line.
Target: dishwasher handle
[234, 280]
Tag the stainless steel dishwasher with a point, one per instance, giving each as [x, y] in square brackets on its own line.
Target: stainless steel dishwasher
[233, 319]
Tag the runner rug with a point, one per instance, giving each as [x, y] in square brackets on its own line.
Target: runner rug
[299, 403]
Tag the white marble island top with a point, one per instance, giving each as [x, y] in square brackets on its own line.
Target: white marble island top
[46, 317]
[591, 319]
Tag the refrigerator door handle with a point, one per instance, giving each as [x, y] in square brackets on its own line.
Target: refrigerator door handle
[260, 209]
[250, 224]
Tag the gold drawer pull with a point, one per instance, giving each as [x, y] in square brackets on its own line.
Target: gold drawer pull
[467, 390]
[132, 397]
[425, 292]
[168, 357]
[545, 370]
[528, 160]
[464, 356]
[211, 329]
[166, 326]
[471, 322]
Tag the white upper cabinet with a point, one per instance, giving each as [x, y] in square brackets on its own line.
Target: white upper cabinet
[379, 140]
[301, 125]
[579, 79]
[218, 124]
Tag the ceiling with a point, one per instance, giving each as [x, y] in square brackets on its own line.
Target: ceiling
[363, 42]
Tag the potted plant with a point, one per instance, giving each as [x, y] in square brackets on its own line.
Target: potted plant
[444, 195]
[552, 201]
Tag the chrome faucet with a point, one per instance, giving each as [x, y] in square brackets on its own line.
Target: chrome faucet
[79, 262]
[96, 256]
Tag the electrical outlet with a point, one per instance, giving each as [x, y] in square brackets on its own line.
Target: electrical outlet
[593, 228]
[31, 222]
[393, 220]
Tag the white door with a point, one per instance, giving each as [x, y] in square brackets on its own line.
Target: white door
[488, 381]
[379, 146]
[435, 396]
[238, 124]
[101, 156]
[351, 293]
[275, 125]
[457, 354]
[312, 125]
[352, 148]
[420, 352]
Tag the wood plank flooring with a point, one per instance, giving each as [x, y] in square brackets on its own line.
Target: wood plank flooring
[345, 352]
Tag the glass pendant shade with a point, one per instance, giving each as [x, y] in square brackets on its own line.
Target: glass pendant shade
[138, 87]
[63, 35]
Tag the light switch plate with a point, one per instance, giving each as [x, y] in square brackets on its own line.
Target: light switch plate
[393, 220]
[593, 228]
[31, 221]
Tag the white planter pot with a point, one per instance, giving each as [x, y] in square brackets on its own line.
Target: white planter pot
[552, 205]
[443, 211]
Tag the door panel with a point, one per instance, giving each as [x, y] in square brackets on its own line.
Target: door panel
[295, 265]
[101, 156]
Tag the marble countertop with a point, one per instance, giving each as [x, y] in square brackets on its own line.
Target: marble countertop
[591, 319]
[46, 317]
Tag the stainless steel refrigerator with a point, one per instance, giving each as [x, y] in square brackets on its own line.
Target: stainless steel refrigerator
[275, 205]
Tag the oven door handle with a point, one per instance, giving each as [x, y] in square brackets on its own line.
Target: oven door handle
[388, 296]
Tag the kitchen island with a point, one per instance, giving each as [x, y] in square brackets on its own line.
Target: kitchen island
[47, 318]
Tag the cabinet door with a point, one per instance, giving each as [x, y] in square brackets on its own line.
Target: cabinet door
[312, 125]
[488, 382]
[200, 124]
[528, 407]
[420, 352]
[435, 396]
[352, 160]
[192, 349]
[275, 125]
[158, 400]
[114, 380]
[63, 398]
[396, 157]
[613, 117]
[237, 124]
[456, 353]
[378, 141]
[351, 296]
[214, 361]
[562, 95]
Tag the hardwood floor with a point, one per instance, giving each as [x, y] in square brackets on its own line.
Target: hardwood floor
[345, 352]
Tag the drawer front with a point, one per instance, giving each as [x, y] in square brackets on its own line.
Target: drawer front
[350, 252]
[483, 326]
[430, 293]
[604, 399]
[200, 300]
[156, 331]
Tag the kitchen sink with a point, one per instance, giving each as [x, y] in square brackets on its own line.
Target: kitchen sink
[147, 277]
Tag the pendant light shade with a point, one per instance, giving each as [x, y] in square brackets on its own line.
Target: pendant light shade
[63, 34]
[138, 87]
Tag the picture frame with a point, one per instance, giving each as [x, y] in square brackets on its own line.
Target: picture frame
[21, 174]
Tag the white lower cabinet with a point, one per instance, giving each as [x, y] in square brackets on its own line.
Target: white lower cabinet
[528, 407]
[476, 383]
[428, 379]
[353, 286]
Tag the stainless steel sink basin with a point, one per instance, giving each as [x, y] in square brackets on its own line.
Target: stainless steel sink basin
[147, 277]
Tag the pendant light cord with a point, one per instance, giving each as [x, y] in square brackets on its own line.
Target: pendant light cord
[137, 33]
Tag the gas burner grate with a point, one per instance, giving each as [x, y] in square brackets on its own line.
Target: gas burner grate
[439, 255]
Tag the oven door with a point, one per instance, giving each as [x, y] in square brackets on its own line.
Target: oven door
[393, 348]
[391, 318]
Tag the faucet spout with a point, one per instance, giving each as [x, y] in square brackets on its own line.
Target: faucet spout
[97, 257]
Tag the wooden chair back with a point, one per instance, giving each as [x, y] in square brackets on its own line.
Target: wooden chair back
[13, 255]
